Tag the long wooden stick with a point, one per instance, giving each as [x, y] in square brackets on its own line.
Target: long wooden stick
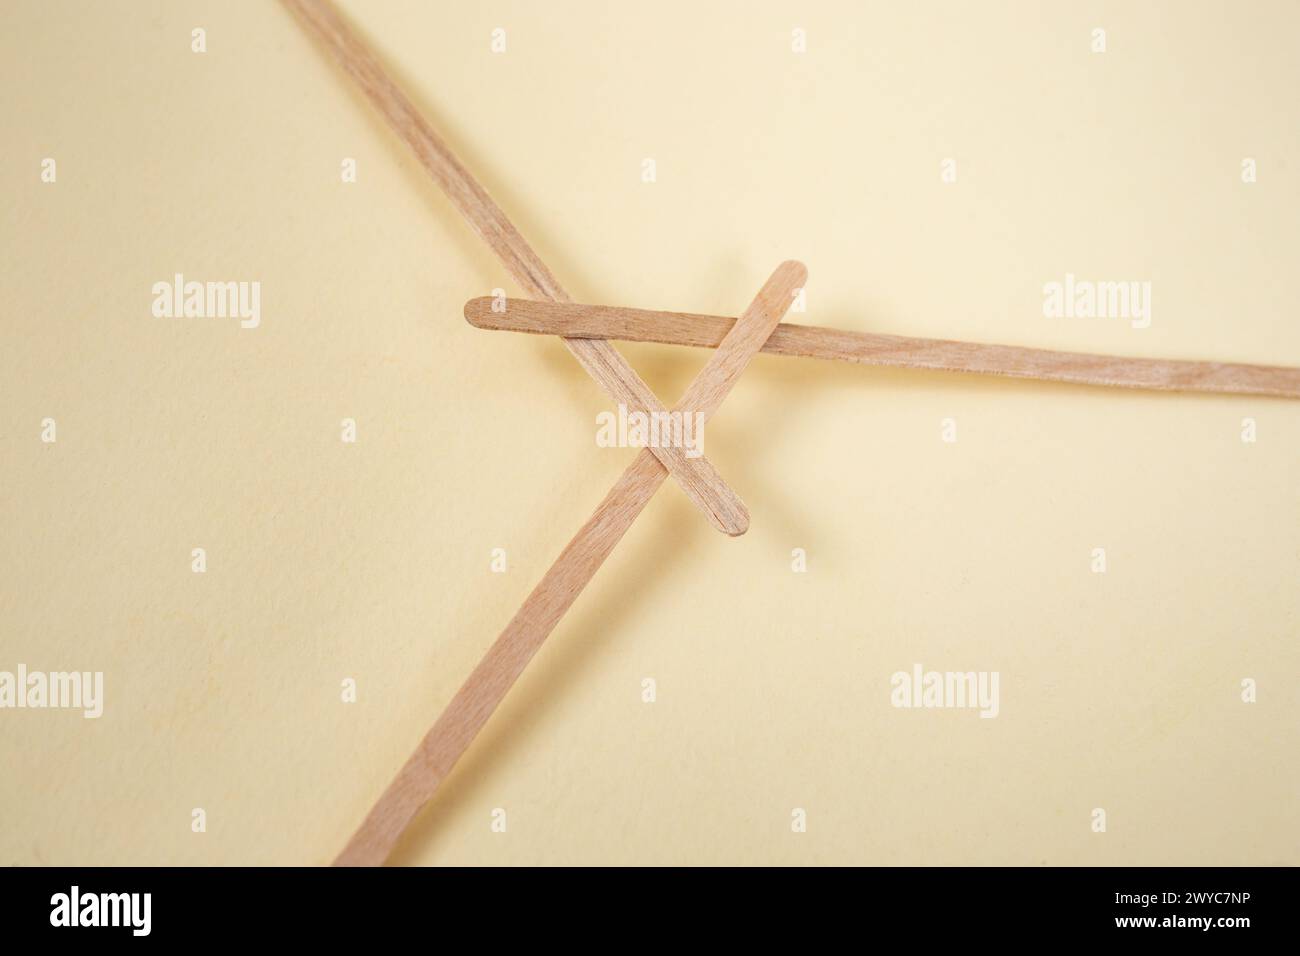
[808, 341]
[697, 477]
[505, 660]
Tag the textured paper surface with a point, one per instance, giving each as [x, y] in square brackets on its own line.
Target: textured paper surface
[371, 561]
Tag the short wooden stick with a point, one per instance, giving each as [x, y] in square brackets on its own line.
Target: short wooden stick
[506, 659]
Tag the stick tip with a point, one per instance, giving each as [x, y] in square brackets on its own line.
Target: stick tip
[476, 309]
[795, 270]
[730, 516]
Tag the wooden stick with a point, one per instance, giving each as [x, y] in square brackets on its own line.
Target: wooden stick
[697, 477]
[505, 660]
[681, 328]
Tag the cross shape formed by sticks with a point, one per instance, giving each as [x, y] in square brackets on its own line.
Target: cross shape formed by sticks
[585, 330]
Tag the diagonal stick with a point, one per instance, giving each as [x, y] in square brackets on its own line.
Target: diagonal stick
[697, 477]
[505, 660]
[864, 348]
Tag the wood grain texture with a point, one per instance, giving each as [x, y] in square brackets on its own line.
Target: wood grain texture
[696, 476]
[506, 659]
[807, 341]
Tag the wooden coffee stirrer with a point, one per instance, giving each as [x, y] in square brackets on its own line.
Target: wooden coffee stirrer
[864, 348]
[697, 477]
[479, 696]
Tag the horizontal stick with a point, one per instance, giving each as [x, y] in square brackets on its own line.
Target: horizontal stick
[866, 348]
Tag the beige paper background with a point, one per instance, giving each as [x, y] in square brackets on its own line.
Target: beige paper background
[371, 561]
